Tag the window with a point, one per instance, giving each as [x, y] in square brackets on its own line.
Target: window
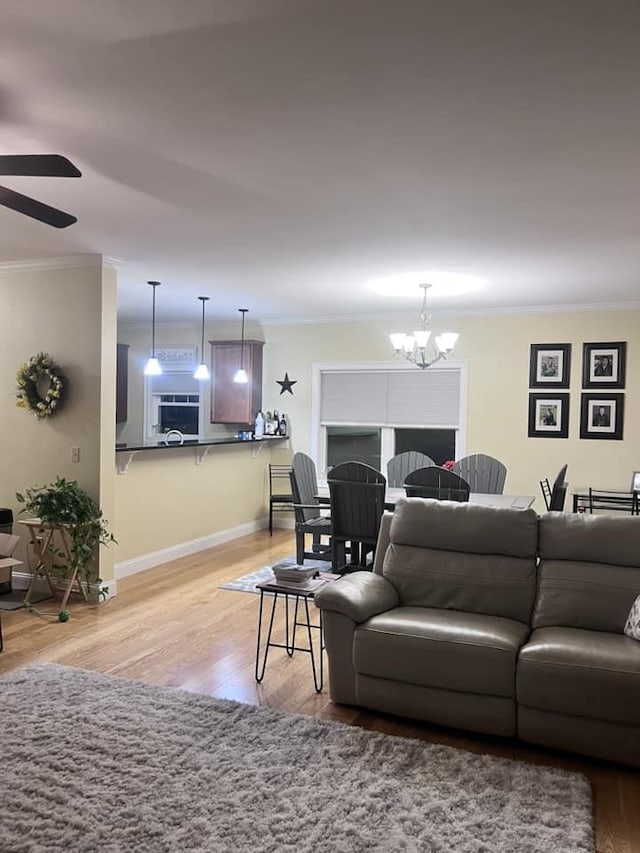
[178, 411]
[173, 402]
[438, 444]
[371, 413]
[353, 444]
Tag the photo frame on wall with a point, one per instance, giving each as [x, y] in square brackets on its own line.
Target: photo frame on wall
[601, 416]
[603, 365]
[548, 415]
[549, 365]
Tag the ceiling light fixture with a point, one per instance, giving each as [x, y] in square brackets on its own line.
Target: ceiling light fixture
[241, 374]
[152, 367]
[415, 347]
[202, 371]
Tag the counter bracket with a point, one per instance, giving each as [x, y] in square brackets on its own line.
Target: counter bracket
[123, 460]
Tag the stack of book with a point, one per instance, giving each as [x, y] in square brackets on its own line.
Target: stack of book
[287, 573]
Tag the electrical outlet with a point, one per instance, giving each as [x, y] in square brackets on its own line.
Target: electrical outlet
[75, 454]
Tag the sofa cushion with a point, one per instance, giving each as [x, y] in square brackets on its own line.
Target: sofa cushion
[579, 672]
[596, 596]
[589, 571]
[447, 649]
[582, 537]
[463, 557]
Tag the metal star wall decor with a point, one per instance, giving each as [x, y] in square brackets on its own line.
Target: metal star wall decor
[286, 384]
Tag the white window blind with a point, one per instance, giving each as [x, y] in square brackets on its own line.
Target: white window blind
[349, 397]
[392, 397]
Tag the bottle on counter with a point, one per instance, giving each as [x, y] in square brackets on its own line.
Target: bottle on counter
[282, 426]
[259, 426]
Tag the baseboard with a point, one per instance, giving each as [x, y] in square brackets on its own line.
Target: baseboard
[21, 581]
[183, 549]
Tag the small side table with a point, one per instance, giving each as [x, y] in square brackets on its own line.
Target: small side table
[301, 592]
[50, 542]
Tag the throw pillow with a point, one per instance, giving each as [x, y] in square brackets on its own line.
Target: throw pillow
[632, 627]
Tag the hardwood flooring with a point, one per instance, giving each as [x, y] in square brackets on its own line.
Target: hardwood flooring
[172, 626]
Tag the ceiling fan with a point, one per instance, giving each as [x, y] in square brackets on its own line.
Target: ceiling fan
[37, 165]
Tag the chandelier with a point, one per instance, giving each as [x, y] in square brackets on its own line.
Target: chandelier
[418, 348]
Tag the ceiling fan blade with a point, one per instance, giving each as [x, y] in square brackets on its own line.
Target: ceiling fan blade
[40, 165]
[36, 209]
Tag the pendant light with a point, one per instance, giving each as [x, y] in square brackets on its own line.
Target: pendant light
[152, 367]
[241, 374]
[202, 371]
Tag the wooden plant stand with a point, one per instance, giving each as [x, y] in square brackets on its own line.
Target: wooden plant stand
[50, 543]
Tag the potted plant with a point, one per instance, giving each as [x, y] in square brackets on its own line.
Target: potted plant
[63, 503]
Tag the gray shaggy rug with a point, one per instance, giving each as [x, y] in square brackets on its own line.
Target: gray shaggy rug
[97, 764]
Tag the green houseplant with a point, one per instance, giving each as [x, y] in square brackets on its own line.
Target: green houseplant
[64, 503]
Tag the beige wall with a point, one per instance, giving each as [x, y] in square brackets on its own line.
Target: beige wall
[165, 499]
[496, 349]
[66, 312]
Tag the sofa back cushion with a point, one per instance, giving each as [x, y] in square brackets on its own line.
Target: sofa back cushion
[463, 557]
[589, 572]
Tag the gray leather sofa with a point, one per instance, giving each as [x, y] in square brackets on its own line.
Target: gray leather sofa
[496, 621]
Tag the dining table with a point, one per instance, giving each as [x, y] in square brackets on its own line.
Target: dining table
[394, 493]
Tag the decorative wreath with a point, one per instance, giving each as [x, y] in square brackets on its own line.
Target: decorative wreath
[40, 385]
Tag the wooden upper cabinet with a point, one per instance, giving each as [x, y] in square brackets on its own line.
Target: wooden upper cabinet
[232, 403]
[122, 382]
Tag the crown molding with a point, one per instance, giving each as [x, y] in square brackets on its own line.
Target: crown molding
[632, 305]
[62, 263]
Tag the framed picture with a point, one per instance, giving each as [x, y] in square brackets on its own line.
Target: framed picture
[178, 358]
[549, 365]
[635, 482]
[601, 416]
[603, 365]
[548, 415]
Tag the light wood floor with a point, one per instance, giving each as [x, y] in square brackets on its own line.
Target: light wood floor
[172, 626]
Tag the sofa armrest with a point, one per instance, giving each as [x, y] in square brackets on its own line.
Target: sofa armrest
[358, 596]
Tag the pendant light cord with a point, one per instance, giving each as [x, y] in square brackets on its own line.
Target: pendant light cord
[154, 285]
[243, 311]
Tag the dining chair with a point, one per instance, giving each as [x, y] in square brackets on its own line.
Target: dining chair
[403, 463]
[554, 496]
[357, 493]
[307, 507]
[280, 494]
[545, 488]
[558, 495]
[438, 483]
[484, 473]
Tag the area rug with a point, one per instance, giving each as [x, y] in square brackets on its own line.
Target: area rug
[247, 583]
[97, 764]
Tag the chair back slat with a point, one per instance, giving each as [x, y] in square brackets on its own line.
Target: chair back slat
[483, 473]
[438, 483]
[403, 463]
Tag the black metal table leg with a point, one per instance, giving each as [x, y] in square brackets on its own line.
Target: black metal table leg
[260, 670]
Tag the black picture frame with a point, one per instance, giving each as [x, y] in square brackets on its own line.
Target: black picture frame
[549, 365]
[604, 364]
[549, 415]
[602, 416]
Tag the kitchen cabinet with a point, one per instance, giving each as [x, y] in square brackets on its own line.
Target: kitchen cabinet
[233, 403]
